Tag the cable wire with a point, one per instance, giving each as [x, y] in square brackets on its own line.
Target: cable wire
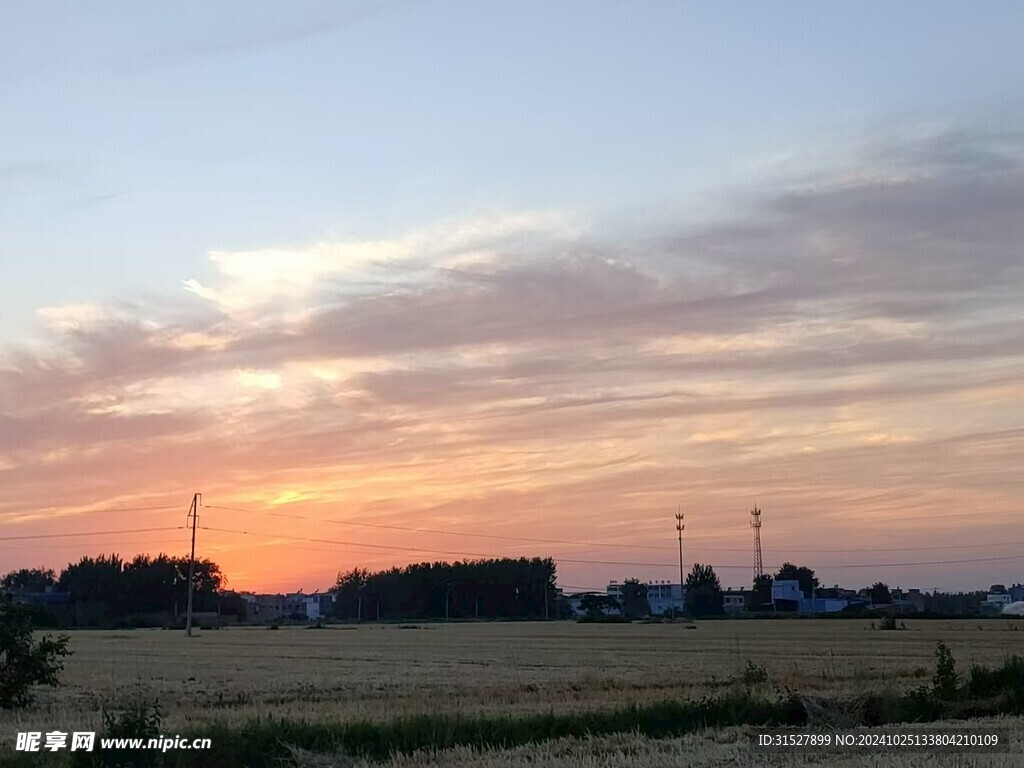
[698, 547]
[88, 533]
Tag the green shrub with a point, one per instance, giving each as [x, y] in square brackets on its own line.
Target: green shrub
[1009, 678]
[888, 622]
[137, 718]
[24, 661]
[753, 675]
[944, 681]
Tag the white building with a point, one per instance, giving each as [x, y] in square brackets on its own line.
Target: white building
[734, 601]
[783, 591]
[787, 595]
[998, 600]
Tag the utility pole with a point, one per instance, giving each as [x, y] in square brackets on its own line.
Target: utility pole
[679, 528]
[193, 514]
[547, 588]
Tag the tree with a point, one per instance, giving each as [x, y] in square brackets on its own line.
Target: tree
[704, 591]
[763, 589]
[808, 581]
[634, 599]
[30, 579]
[880, 593]
[106, 590]
[597, 605]
[502, 587]
[24, 661]
[350, 587]
[96, 587]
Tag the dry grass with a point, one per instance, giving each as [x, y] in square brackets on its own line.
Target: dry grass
[709, 749]
[378, 672]
[729, 747]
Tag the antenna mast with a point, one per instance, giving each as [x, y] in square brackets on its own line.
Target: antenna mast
[755, 523]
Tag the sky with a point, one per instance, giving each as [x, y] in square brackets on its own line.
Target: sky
[390, 282]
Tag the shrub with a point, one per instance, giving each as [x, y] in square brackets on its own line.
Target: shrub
[137, 718]
[888, 622]
[982, 681]
[944, 681]
[24, 661]
[754, 674]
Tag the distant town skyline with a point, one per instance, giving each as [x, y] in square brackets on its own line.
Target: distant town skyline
[459, 275]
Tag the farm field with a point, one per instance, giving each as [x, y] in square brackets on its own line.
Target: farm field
[726, 748]
[382, 672]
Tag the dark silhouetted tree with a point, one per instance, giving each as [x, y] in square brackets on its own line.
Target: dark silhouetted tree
[634, 599]
[30, 579]
[106, 590]
[808, 581]
[880, 594]
[763, 590]
[597, 605]
[24, 660]
[703, 591]
[96, 587]
[498, 588]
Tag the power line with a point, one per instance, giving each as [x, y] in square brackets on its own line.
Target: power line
[718, 566]
[432, 530]
[39, 511]
[410, 529]
[271, 536]
[902, 564]
[85, 532]
[988, 545]
[928, 562]
[133, 543]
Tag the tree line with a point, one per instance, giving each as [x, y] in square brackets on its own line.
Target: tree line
[107, 590]
[491, 588]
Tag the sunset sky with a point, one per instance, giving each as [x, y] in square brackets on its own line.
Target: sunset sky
[401, 281]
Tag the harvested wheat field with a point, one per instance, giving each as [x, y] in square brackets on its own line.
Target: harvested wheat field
[726, 748]
[380, 672]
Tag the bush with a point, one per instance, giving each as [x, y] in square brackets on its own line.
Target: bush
[888, 622]
[24, 661]
[1009, 678]
[137, 718]
[944, 681]
[753, 675]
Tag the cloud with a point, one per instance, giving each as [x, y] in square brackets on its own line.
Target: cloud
[257, 282]
[848, 349]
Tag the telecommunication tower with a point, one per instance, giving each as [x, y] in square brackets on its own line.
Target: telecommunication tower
[755, 523]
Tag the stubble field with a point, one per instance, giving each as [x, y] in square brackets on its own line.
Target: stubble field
[382, 672]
